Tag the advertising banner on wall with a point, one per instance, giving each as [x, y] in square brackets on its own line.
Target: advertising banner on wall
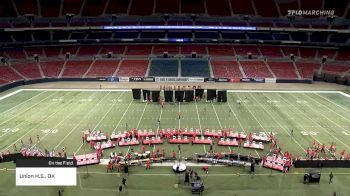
[141, 79]
[176, 79]
[254, 80]
[123, 79]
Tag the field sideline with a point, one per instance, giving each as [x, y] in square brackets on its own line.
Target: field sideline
[59, 116]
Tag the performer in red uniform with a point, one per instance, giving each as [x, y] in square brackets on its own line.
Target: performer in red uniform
[342, 153]
[148, 164]
[174, 154]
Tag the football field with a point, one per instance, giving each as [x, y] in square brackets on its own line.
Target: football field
[60, 116]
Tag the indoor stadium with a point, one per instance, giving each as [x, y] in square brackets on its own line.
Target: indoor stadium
[174, 97]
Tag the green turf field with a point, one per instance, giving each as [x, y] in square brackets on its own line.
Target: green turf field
[60, 116]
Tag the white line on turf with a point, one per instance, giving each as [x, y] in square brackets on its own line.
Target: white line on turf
[298, 123]
[325, 128]
[87, 114]
[200, 124]
[327, 99]
[138, 124]
[160, 118]
[10, 94]
[327, 108]
[216, 115]
[14, 116]
[67, 116]
[179, 118]
[240, 124]
[115, 128]
[283, 127]
[29, 131]
[21, 103]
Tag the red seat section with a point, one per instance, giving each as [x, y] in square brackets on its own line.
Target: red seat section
[311, 5]
[283, 70]
[34, 51]
[7, 9]
[244, 50]
[192, 7]
[103, 68]
[117, 7]
[141, 7]
[287, 5]
[28, 70]
[266, 8]
[227, 69]
[336, 68]
[27, 7]
[52, 8]
[218, 7]
[94, 7]
[116, 50]
[89, 50]
[343, 55]
[307, 70]
[326, 52]
[307, 52]
[16, 54]
[287, 51]
[171, 49]
[167, 6]
[71, 49]
[76, 68]
[220, 50]
[52, 68]
[243, 7]
[8, 74]
[133, 68]
[270, 51]
[72, 6]
[255, 69]
[52, 51]
[139, 50]
[188, 49]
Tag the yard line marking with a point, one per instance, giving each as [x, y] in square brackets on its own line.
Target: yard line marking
[10, 94]
[240, 123]
[327, 108]
[283, 127]
[296, 121]
[71, 113]
[327, 99]
[123, 115]
[216, 115]
[27, 109]
[325, 128]
[179, 118]
[21, 103]
[81, 120]
[143, 112]
[38, 124]
[200, 124]
[99, 122]
[160, 118]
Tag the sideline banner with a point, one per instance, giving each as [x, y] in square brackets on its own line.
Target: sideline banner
[176, 79]
[141, 79]
[254, 80]
[270, 80]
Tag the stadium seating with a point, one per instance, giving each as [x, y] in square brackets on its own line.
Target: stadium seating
[266, 8]
[76, 68]
[171, 49]
[89, 50]
[336, 67]
[244, 50]
[52, 69]
[216, 8]
[220, 50]
[192, 6]
[343, 55]
[103, 68]
[93, 7]
[141, 7]
[226, 69]
[195, 68]
[138, 50]
[34, 51]
[307, 70]
[270, 51]
[283, 70]
[28, 70]
[8, 75]
[52, 51]
[188, 49]
[255, 69]
[330, 53]
[116, 50]
[242, 7]
[133, 68]
[16, 53]
[307, 52]
[163, 67]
